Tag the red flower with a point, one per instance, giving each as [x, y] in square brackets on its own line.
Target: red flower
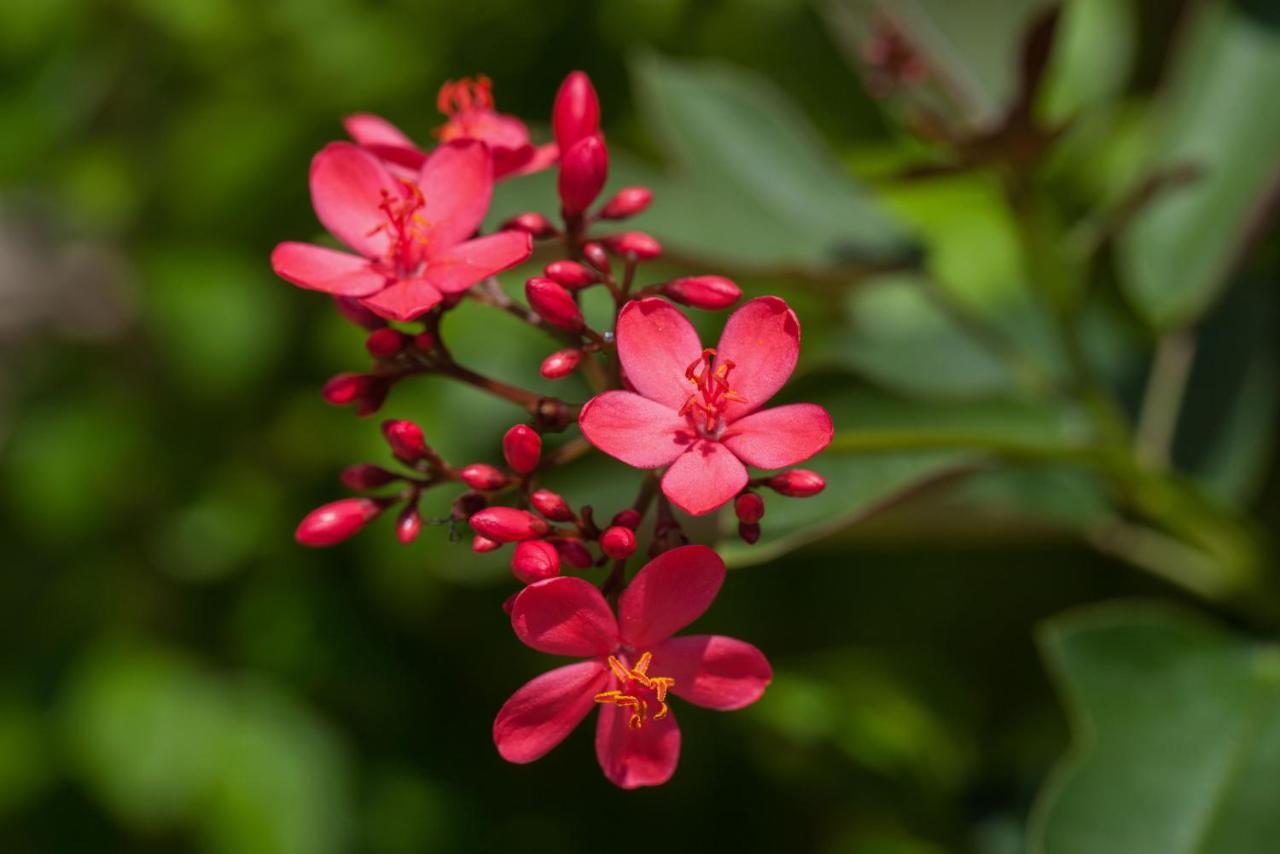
[411, 235]
[633, 665]
[698, 411]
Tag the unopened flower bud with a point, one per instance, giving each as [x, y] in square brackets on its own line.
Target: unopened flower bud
[707, 292]
[584, 167]
[507, 524]
[483, 477]
[749, 508]
[522, 448]
[627, 202]
[571, 274]
[408, 524]
[345, 389]
[535, 225]
[405, 438]
[596, 256]
[797, 483]
[573, 552]
[372, 396]
[535, 560]
[560, 364]
[551, 505]
[385, 342]
[634, 244]
[553, 303]
[334, 522]
[362, 476]
[577, 110]
[424, 342]
[750, 534]
[618, 542]
[480, 544]
[467, 505]
[352, 309]
[629, 518]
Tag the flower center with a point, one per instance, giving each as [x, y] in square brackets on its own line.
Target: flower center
[712, 392]
[408, 230]
[638, 690]
[458, 99]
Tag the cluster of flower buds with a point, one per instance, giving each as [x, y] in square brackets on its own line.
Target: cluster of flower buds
[693, 418]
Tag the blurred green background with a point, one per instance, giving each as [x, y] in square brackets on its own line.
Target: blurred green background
[1037, 289]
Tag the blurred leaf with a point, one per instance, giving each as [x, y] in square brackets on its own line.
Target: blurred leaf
[1180, 249]
[1177, 737]
[1093, 55]
[27, 765]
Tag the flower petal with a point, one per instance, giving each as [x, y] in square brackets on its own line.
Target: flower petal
[635, 429]
[656, 343]
[466, 263]
[713, 671]
[327, 270]
[631, 758]
[781, 436]
[673, 590]
[543, 712]
[543, 157]
[404, 299]
[762, 339]
[347, 183]
[565, 616]
[368, 129]
[457, 183]
[704, 478]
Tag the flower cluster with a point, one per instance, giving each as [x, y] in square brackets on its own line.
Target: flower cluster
[695, 417]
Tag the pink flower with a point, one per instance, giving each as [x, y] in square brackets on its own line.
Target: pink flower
[633, 665]
[698, 411]
[412, 235]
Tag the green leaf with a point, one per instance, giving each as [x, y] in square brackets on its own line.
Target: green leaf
[1177, 737]
[1177, 254]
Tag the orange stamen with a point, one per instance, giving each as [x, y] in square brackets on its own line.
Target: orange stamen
[639, 674]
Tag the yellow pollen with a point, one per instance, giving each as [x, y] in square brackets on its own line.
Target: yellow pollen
[639, 674]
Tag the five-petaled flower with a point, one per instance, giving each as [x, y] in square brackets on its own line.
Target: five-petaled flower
[698, 411]
[633, 667]
[413, 235]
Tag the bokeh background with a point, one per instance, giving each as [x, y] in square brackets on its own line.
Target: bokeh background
[179, 675]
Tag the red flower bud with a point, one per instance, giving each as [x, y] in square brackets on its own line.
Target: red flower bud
[480, 544]
[553, 304]
[571, 274]
[408, 524]
[354, 311]
[797, 483]
[424, 341]
[405, 439]
[336, 521]
[482, 476]
[577, 110]
[750, 534]
[596, 256]
[385, 342]
[560, 364]
[584, 167]
[345, 389]
[535, 560]
[618, 542]
[749, 507]
[573, 552]
[507, 524]
[629, 518]
[535, 225]
[709, 292]
[634, 244]
[522, 448]
[627, 202]
[551, 505]
[372, 397]
[362, 476]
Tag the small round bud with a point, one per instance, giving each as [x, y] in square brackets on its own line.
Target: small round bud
[560, 364]
[535, 560]
[629, 518]
[362, 476]
[750, 534]
[749, 508]
[633, 244]
[553, 303]
[483, 477]
[522, 448]
[507, 524]
[336, 521]
[354, 311]
[596, 256]
[551, 505]
[618, 542]
[405, 438]
[627, 202]
[571, 274]
[573, 552]
[706, 292]
[408, 524]
[576, 112]
[345, 389]
[797, 483]
[385, 342]
[480, 544]
[424, 342]
[584, 167]
[535, 225]
[372, 396]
